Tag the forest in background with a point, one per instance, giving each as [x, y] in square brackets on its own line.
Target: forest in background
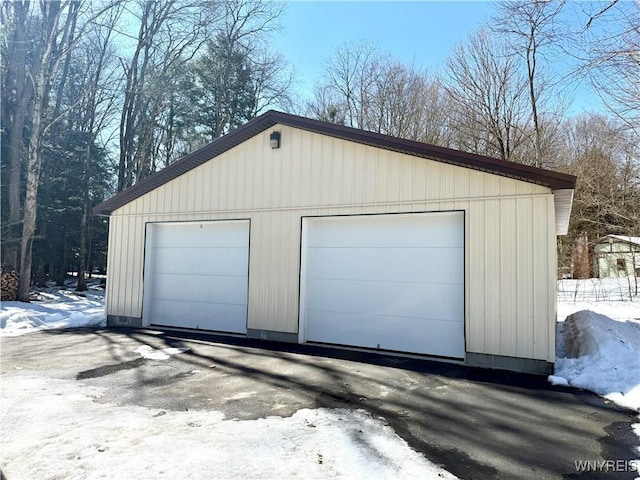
[98, 95]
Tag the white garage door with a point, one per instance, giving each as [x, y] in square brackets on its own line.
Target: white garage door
[394, 282]
[196, 275]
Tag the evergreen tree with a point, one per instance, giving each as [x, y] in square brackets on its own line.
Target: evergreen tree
[220, 89]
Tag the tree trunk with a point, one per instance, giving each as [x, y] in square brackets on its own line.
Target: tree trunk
[30, 207]
[62, 265]
[581, 258]
[42, 87]
[17, 74]
[531, 68]
[82, 280]
[41, 276]
[84, 224]
[14, 153]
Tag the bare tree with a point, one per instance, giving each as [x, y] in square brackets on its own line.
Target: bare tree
[236, 77]
[326, 105]
[169, 34]
[350, 74]
[613, 58]
[249, 25]
[366, 89]
[271, 83]
[607, 162]
[489, 94]
[58, 32]
[531, 31]
[407, 103]
[46, 68]
[97, 111]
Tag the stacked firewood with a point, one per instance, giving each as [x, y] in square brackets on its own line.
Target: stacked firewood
[9, 283]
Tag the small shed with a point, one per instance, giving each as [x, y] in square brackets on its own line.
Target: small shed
[617, 256]
[296, 230]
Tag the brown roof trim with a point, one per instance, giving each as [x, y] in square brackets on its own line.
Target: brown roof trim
[551, 179]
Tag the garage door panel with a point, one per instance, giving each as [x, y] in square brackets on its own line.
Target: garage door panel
[393, 282]
[211, 234]
[192, 261]
[373, 231]
[196, 275]
[443, 265]
[434, 301]
[219, 317]
[209, 288]
[416, 335]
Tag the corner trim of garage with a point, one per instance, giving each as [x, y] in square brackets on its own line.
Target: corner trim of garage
[122, 321]
[500, 362]
[272, 335]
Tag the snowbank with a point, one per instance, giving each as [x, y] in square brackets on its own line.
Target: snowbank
[54, 308]
[600, 354]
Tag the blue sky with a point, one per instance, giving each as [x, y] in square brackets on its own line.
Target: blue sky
[419, 32]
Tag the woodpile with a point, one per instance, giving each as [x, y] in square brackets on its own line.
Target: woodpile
[9, 283]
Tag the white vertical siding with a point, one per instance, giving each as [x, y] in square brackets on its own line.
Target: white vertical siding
[476, 273]
[490, 286]
[113, 259]
[509, 248]
[123, 290]
[552, 291]
[524, 268]
[508, 255]
[541, 273]
[273, 280]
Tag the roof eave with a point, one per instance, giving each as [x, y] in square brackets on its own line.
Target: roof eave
[563, 203]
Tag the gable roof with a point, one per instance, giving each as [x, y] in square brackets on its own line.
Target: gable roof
[621, 238]
[551, 179]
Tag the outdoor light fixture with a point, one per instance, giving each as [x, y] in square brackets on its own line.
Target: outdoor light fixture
[274, 140]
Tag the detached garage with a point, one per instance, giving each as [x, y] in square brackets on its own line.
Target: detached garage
[297, 230]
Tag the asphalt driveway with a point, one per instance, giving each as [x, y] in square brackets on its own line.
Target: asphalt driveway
[474, 423]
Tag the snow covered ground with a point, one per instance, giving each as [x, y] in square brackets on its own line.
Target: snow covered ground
[609, 289]
[61, 432]
[64, 433]
[54, 308]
